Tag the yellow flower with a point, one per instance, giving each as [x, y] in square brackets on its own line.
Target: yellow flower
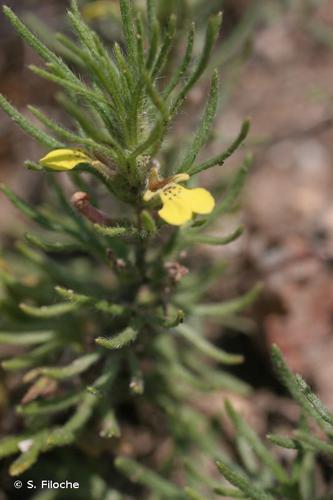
[97, 9]
[64, 159]
[179, 203]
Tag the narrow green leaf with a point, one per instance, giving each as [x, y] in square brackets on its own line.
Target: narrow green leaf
[314, 400]
[232, 193]
[104, 382]
[221, 158]
[56, 436]
[31, 165]
[127, 79]
[211, 36]
[100, 66]
[154, 43]
[237, 45]
[148, 222]
[30, 359]
[48, 311]
[49, 266]
[140, 474]
[90, 95]
[181, 70]
[140, 41]
[151, 14]
[77, 367]
[255, 442]
[316, 443]
[68, 135]
[283, 442]
[84, 118]
[29, 457]
[26, 338]
[62, 436]
[153, 138]
[110, 427]
[230, 307]
[53, 247]
[68, 49]
[206, 347]
[213, 240]
[307, 476]
[247, 455]
[28, 210]
[34, 42]
[242, 482]
[120, 340]
[165, 47]
[202, 135]
[40, 136]
[88, 301]
[289, 381]
[73, 297]
[10, 445]
[192, 494]
[156, 97]
[196, 474]
[113, 309]
[181, 376]
[136, 377]
[229, 492]
[218, 379]
[129, 32]
[49, 406]
[85, 34]
[115, 231]
[170, 322]
[157, 130]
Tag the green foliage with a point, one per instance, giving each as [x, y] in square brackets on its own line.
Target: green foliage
[259, 473]
[97, 303]
[298, 479]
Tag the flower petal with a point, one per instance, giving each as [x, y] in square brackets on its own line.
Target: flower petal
[64, 159]
[175, 211]
[179, 178]
[199, 200]
[148, 195]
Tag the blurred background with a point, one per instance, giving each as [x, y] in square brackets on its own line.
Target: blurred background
[276, 65]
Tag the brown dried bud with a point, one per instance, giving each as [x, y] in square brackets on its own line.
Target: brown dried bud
[120, 264]
[81, 202]
[42, 387]
[117, 262]
[175, 271]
